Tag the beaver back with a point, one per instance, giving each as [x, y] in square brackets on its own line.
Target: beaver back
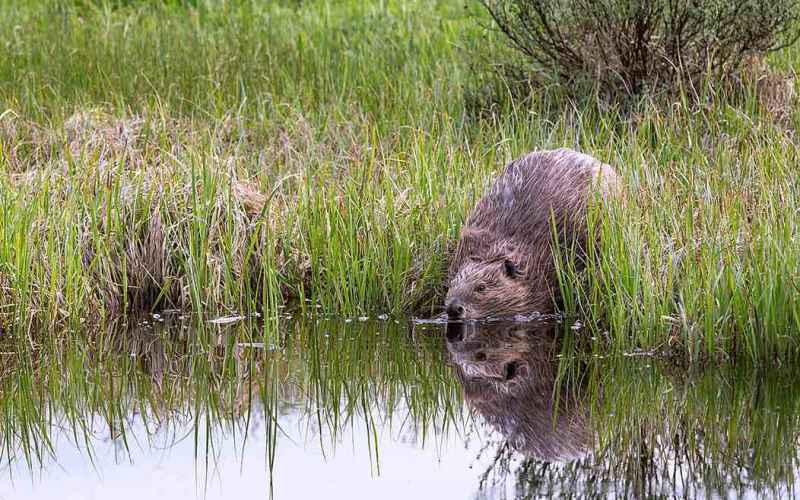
[515, 221]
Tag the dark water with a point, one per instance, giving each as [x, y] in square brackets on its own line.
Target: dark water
[381, 409]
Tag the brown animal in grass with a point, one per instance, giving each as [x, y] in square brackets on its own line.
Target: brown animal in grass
[507, 371]
[504, 263]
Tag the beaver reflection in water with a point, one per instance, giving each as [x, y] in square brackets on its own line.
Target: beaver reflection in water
[508, 375]
[503, 265]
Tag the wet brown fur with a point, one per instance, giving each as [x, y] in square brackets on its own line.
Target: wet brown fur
[504, 265]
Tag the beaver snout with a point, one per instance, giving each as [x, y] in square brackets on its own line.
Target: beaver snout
[455, 309]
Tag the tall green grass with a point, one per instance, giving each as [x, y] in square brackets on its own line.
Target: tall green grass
[701, 253]
[126, 127]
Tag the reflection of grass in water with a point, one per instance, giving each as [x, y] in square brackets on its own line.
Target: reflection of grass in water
[729, 430]
[737, 424]
[718, 433]
[224, 380]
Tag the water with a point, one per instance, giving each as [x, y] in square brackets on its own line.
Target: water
[382, 409]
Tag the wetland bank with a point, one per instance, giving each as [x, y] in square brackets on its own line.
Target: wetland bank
[370, 130]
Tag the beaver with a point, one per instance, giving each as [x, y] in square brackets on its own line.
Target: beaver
[504, 263]
[507, 372]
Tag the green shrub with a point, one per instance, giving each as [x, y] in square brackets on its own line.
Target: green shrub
[631, 46]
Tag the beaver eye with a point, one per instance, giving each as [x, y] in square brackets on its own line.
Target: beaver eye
[480, 288]
[510, 269]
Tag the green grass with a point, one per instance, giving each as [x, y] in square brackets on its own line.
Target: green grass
[125, 125]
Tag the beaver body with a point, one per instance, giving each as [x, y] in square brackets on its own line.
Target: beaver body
[504, 263]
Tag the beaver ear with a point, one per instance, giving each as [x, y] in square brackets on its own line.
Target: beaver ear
[510, 268]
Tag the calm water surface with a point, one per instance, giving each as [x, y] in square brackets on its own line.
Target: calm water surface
[381, 409]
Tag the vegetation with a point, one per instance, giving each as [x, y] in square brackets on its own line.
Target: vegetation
[130, 130]
[718, 433]
[139, 138]
[655, 429]
[626, 47]
[155, 383]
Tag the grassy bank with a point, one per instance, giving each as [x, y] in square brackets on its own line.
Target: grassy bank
[125, 129]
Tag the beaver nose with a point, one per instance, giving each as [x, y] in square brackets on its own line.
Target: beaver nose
[455, 310]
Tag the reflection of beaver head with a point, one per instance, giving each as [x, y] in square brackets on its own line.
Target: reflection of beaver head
[508, 375]
[504, 263]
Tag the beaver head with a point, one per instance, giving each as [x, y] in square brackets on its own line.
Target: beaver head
[495, 277]
[484, 288]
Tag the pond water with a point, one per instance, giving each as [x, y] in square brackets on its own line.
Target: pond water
[381, 409]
